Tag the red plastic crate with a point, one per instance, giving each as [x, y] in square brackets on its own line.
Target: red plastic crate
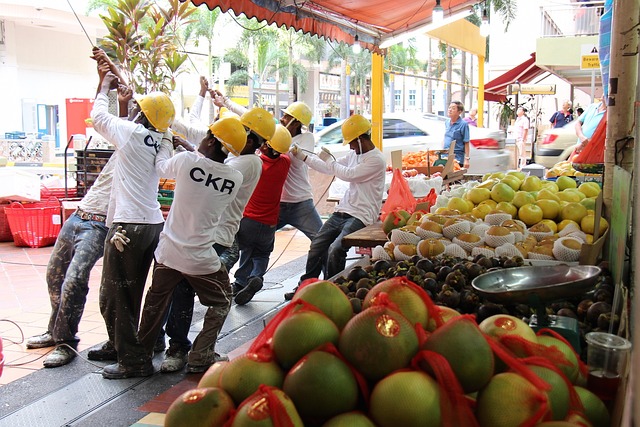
[34, 224]
[5, 231]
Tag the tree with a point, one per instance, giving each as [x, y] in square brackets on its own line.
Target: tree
[143, 38]
[202, 26]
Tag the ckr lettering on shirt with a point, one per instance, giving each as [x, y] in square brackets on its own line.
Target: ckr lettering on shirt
[150, 142]
[199, 175]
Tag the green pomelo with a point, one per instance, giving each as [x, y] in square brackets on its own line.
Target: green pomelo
[392, 221]
[350, 419]
[594, 408]
[211, 378]
[300, 333]
[504, 324]
[321, 386]
[409, 302]
[464, 346]
[558, 395]
[256, 411]
[570, 371]
[206, 407]
[244, 374]
[407, 399]
[446, 314]
[327, 297]
[378, 341]
[509, 400]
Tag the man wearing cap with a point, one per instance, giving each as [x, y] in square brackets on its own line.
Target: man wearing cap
[296, 204]
[364, 169]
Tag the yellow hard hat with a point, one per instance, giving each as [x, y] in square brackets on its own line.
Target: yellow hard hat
[230, 133]
[353, 127]
[259, 121]
[281, 140]
[158, 109]
[225, 114]
[299, 111]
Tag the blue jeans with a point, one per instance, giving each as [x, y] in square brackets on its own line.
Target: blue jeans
[180, 313]
[255, 241]
[327, 255]
[79, 245]
[301, 215]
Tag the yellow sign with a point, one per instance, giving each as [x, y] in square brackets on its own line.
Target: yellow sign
[531, 89]
[589, 59]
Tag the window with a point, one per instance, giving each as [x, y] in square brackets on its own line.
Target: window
[397, 96]
[412, 97]
[396, 128]
[334, 136]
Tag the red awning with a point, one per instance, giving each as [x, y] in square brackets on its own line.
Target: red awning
[496, 89]
[369, 20]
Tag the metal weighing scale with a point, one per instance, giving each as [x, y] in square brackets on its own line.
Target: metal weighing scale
[538, 285]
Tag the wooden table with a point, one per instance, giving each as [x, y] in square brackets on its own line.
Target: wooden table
[367, 237]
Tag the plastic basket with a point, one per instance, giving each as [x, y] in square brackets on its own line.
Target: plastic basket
[5, 231]
[34, 224]
[46, 192]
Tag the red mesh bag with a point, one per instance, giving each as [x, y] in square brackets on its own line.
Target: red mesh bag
[594, 151]
[267, 403]
[399, 197]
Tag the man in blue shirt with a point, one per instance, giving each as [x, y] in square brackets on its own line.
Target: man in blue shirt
[457, 132]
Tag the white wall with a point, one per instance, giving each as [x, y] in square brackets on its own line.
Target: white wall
[45, 66]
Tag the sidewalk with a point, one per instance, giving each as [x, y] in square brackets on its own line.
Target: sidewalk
[25, 308]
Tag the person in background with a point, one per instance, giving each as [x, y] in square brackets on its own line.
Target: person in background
[588, 122]
[522, 132]
[364, 169]
[579, 111]
[296, 204]
[562, 117]
[457, 133]
[78, 247]
[134, 218]
[472, 119]
[205, 186]
[257, 233]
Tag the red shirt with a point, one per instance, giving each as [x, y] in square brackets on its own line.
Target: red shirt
[264, 204]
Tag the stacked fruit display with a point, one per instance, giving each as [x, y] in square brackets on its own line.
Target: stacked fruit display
[504, 215]
[401, 361]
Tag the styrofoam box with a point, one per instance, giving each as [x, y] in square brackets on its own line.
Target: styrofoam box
[19, 185]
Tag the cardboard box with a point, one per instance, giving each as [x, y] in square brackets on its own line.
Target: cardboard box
[18, 185]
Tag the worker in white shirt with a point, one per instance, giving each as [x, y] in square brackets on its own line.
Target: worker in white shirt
[364, 169]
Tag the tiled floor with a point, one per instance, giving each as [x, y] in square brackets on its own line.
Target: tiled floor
[24, 301]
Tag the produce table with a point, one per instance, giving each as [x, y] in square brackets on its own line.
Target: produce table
[367, 237]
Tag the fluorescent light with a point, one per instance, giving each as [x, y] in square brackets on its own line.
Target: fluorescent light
[399, 38]
[438, 13]
[485, 29]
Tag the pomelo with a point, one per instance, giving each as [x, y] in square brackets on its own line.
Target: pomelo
[378, 341]
[299, 333]
[558, 395]
[504, 324]
[477, 195]
[350, 419]
[211, 377]
[522, 198]
[446, 314]
[409, 301]
[531, 183]
[564, 182]
[550, 208]
[329, 299]
[590, 189]
[587, 224]
[573, 211]
[530, 214]
[459, 204]
[502, 192]
[462, 343]
[546, 194]
[490, 202]
[244, 374]
[594, 408]
[407, 399]
[321, 386]
[509, 400]
[549, 185]
[507, 207]
[257, 410]
[570, 371]
[200, 407]
[518, 174]
[512, 182]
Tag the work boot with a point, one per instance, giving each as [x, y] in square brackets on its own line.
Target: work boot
[62, 355]
[106, 352]
[175, 360]
[288, 296]
[254, 284]
[118, 371]
[159, 346]
[197, 369]
[236, 289]
[40, 341]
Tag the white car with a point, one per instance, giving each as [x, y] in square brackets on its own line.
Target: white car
[556, 145]
[411, 133]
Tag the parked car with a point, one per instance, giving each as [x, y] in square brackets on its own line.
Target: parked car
[556, 145]
[411, 133]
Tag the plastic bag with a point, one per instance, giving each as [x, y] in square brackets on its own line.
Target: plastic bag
[594, 151]
[400, 196]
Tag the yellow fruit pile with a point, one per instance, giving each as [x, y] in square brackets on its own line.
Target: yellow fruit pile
[564, 168]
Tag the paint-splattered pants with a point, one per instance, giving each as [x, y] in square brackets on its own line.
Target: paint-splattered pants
[79, 245]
